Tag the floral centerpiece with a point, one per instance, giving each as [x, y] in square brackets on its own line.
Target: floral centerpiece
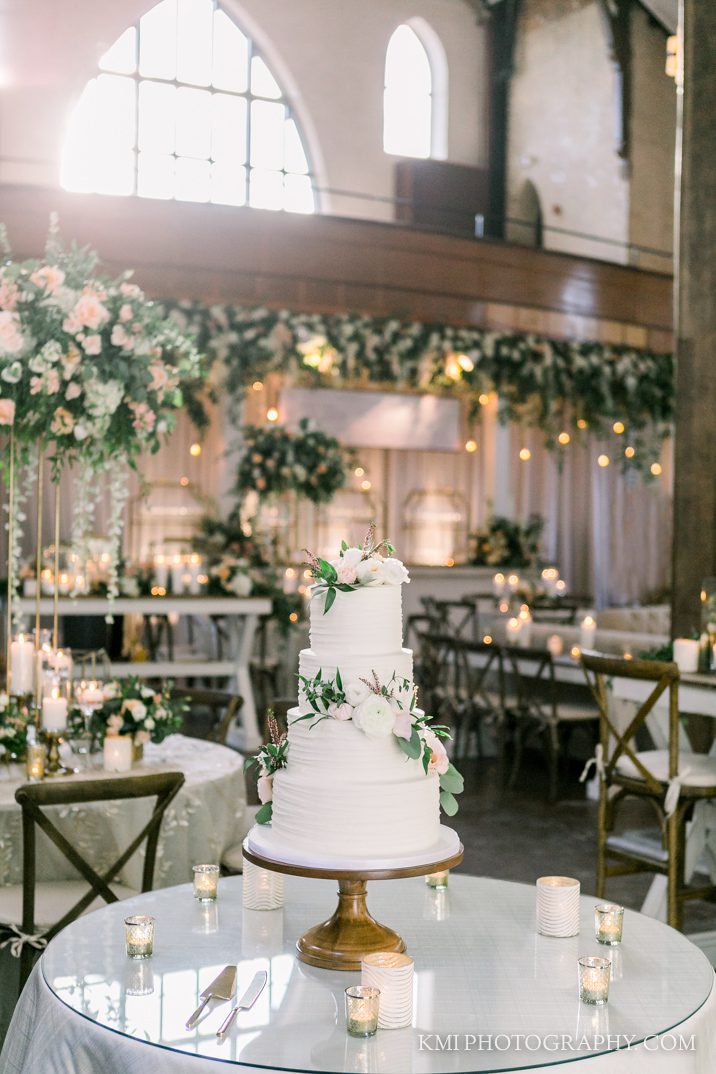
[505, 543]
[307, 462]
[91, 372]
[371, 563]
[15, 718]
[133, 708]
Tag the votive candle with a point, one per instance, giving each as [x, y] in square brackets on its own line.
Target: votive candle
[438, 880]
[35, 762]
[594, 973]
[513, 630]
[206, 882]
[139, 936]
[608, 923]
[555, 645]
[362, 1010]
[686, 654]
[117, 753]
[161, 570]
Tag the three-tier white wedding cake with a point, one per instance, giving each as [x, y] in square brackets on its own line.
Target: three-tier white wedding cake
[361, 773]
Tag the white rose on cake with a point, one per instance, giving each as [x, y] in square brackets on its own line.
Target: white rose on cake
[394, 572]
[370, 571]
[264, 787]
[346, 566]
[356, 692]
[374, 716]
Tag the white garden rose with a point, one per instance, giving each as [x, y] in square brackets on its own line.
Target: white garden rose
[264, 787]
[374, 716]
[394, 572]
[103, 397]
[11, 338]
[346, 572]
[136, 708]
[239, 585]
[352, 557]
[370, 571]
[356, 692]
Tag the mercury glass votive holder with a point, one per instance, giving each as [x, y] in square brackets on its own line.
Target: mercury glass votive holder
[439, 881]
[608, 923]
[206, 882]
[594, 973]
[35, 762]
[362, 1005]
[139, 936]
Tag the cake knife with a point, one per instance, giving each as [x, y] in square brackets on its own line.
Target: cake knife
[221, 988]
[248, 999]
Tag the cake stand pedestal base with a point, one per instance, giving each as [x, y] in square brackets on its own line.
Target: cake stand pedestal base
[341, 942]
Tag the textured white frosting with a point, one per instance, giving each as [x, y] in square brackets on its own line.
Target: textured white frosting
[349, 795]
[342, 792]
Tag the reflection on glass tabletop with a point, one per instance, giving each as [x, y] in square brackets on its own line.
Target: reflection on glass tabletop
[480, 969]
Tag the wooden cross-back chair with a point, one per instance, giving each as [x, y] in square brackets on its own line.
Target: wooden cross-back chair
[480, 681]
[456, 617]
[34, 799]
[211, 712]
[534, 704]
[673, 780]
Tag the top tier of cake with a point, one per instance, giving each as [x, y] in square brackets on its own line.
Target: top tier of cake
[366, 622]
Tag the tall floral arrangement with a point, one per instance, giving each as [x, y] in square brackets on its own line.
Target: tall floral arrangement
[92, 373]
[276, 460]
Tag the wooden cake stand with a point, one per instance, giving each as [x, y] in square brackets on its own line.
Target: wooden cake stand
[340, 942]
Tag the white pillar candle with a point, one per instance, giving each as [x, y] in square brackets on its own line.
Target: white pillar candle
[587, 632]
[558, 906]
[550, 577]
[29, 587]
[686, 654]
[64, 583]
[22, 665]
[525, 618]
[555, 645]
[512, 631]
[54, 711]
[161, 570]
[513, 581]
[560, 588]
[177, 575]
[47, 584]
[118, 753]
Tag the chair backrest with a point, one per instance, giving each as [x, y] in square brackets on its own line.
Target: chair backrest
[532, 684]
[210, 714]
[457, 617]
[481, 674]
[617, 741]
[35, 798]
[546, 611]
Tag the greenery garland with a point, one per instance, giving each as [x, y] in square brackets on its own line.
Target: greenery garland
[555, 385]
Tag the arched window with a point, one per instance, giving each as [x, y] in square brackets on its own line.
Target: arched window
[185, 107]
[409, 97]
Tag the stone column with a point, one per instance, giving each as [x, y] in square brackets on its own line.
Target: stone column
[694, 556]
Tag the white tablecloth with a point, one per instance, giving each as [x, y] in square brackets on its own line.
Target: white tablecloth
[206, 817]
[479, 967]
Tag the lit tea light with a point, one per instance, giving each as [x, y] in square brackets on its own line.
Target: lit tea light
[362, 1010]
[139, 936]
[206, 882]
[608, 923]
[594, 973]
[513, 630]
[438, 880]
[35, 762]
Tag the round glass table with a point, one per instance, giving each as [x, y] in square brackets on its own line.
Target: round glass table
[490, 995]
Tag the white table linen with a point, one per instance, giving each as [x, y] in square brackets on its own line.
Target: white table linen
[207, 816]
[480, 968]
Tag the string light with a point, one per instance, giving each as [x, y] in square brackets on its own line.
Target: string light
[656, 468]
[471, 446]
[629, 452]
[272, 414]
[603, 460]
[465, 362]
[483, 399]
[618, 427]
[564, 438]
[359, 471]
[581, 423]
[487, 640]
[183, 481]
[366, 486]
[525, 454]
[449, 562]
[258, 386]
[293, 617]
[195, 450]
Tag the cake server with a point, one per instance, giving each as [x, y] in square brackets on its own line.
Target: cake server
[221, 988]
[248, 999]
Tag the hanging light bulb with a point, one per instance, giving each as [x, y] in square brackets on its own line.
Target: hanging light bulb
[618, 427]
[195, 450]
[483, 399]
[603, 460]
[655, 468]
[471, 446]
[630, 452]
[581, 423]
[272, 414]
[564, 438]
[258, 386]
[525, 454]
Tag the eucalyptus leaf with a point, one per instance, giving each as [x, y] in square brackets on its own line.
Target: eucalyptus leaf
[452, 781]
[448, 803]
[411, 746]
[264, 814]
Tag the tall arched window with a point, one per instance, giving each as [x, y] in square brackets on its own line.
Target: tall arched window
[185, 107]
[408, 96]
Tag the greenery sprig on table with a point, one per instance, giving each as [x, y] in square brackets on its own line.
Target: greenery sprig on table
[555, 385]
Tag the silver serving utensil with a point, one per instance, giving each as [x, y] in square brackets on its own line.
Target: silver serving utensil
[221, 988]
[248, 999]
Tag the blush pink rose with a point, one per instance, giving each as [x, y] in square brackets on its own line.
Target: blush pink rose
[9, 294]
[126, 312]
[92, 344]
[439, 761]
[340, 712]
[345, 571]
[144, 417]
[89, 311]
[49, 276]
[11, 340]
[52, 381]
[73, 390]
[403, 726]
[62, 422]
[159, 376]
[7, 412]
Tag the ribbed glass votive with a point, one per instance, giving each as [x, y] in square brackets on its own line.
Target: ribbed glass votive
[262, 888]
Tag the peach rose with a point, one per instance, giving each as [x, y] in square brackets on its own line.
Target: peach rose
[62, 422]
[7, 411]
[73, 390]
[159, 376]
[8, 294]
[439, 761]
[49, 276]
[89, 311]
[11, 340]
[92, 344]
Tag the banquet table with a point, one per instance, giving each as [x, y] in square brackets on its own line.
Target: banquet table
[491, 994]
[240, 616]
[206, 817]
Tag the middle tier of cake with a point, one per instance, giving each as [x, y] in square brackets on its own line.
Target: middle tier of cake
[398, 664]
